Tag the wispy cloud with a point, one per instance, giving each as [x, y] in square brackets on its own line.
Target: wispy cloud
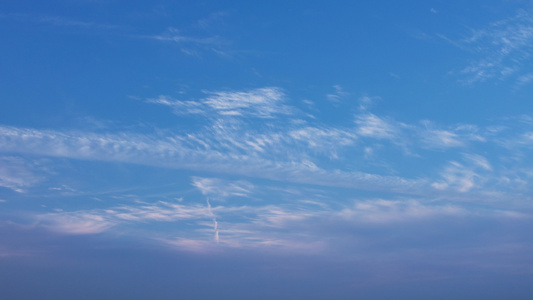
[221, 189]
[173, 35]
[370, 125]
[215, 223]
[458, 177]
[263, 102]
[338, 95]
[18, 174]
[502, 48]
[452, 137]
[259, 103]
[524, 79]
[442, 139]
[479, 160]
[324, 140]
[365, 102]
[75, 223]
[101, 220]
[473, 173]
[287, 225]
[192, 44]
[181, 152]
[179, 107]
[238, 137]
[381, 211]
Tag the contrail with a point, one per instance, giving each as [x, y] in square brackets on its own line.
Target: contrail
[215, 223]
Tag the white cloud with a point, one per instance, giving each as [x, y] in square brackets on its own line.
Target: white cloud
[175, 35]
[278, 219]
[325, 140]
[441, 139]
[179, 107]
[262, 103]
[382, 211]
[285, 151]
[479, 160]
[458, 177]
[158, 212]
[215, 223]
[259, 103]
[365, 102]
[192, 44]
[75, 223]
[458, 136]
[220, 150]
[525, 79]
[338, 95]
[101, 220]
[370, 125]
[220, 189]
[503, 46]
[17, 174]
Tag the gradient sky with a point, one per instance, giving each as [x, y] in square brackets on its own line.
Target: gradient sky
[266, 150]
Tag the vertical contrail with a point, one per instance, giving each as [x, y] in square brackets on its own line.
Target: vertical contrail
[215, 223]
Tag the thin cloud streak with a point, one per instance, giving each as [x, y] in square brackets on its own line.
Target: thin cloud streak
[215, 223]
[259, 103]
[504, 47]
[172, 152]
[299, 227]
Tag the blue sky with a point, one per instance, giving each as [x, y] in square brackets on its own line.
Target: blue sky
[237, 150]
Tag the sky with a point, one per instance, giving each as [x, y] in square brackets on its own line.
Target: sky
[266, 149]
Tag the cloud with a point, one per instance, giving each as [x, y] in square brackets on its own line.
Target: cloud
[17, 173]
[365, 102]
[441, 139]
[338, 95]
[464, 178]
[381, 211]
[101, 220]
[75, 223]
[524, 79]
[179, 107]
[193, 44]
[455, 137]
[223, 148]
[215, 223]
[288, 227]
[248, 142]
[502, 47]
[258, 103]
[370, 125]
[479, 160]
[158, 212]
[278, 217]
[174, 36]
[324, 140]
[220, 189]
[263, 102]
